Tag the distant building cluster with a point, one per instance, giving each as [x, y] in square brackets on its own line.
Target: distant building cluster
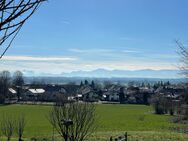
[94, 92]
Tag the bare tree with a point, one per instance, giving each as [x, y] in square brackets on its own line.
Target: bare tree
[20, 126]
[73, 121]
[183, 66]
[183, 52]
[13, 15]
[18, 79]
[7, 126]
[4, 85]
[18, 82]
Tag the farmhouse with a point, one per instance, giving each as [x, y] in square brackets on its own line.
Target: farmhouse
[51, 92]
[87, 93]
[12, 93]
[111, 96]
[112, 93]
[33, 94]
[12, 96]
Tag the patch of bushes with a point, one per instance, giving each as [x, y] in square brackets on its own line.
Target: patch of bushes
[163, 105]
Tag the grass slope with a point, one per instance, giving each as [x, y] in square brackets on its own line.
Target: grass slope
[138, 120]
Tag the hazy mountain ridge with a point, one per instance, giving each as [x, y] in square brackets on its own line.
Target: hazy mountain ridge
[147, 73]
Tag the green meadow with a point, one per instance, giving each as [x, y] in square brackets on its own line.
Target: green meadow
[138, 120]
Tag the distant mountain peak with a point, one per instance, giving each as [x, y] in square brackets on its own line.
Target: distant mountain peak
[145, 73]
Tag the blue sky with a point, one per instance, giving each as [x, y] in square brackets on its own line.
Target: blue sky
[70, 35]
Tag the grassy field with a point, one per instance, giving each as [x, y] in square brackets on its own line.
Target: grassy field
[138, 120]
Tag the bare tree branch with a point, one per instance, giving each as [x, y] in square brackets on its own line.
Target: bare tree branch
[184, 58]
[81, 114]
[20, 126]
[7, 126]
[13, 15]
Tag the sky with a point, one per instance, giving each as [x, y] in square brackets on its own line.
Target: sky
[72, 35]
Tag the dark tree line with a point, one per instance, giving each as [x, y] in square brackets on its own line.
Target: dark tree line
[86, 83]
[6, 81]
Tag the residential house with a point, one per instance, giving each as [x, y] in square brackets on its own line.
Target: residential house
[12, 96]
[112, 93]
[33, 94]
[87, 93]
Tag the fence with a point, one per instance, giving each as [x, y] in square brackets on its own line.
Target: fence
[120, 138]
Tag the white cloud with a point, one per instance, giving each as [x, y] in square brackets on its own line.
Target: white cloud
[131, 51]
[167, 56]
[78, 50]
[33, 58]
[53, 67]
[57, 65]
[65, 22]
[127, 65]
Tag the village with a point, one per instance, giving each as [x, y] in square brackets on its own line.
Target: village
[106, 93]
